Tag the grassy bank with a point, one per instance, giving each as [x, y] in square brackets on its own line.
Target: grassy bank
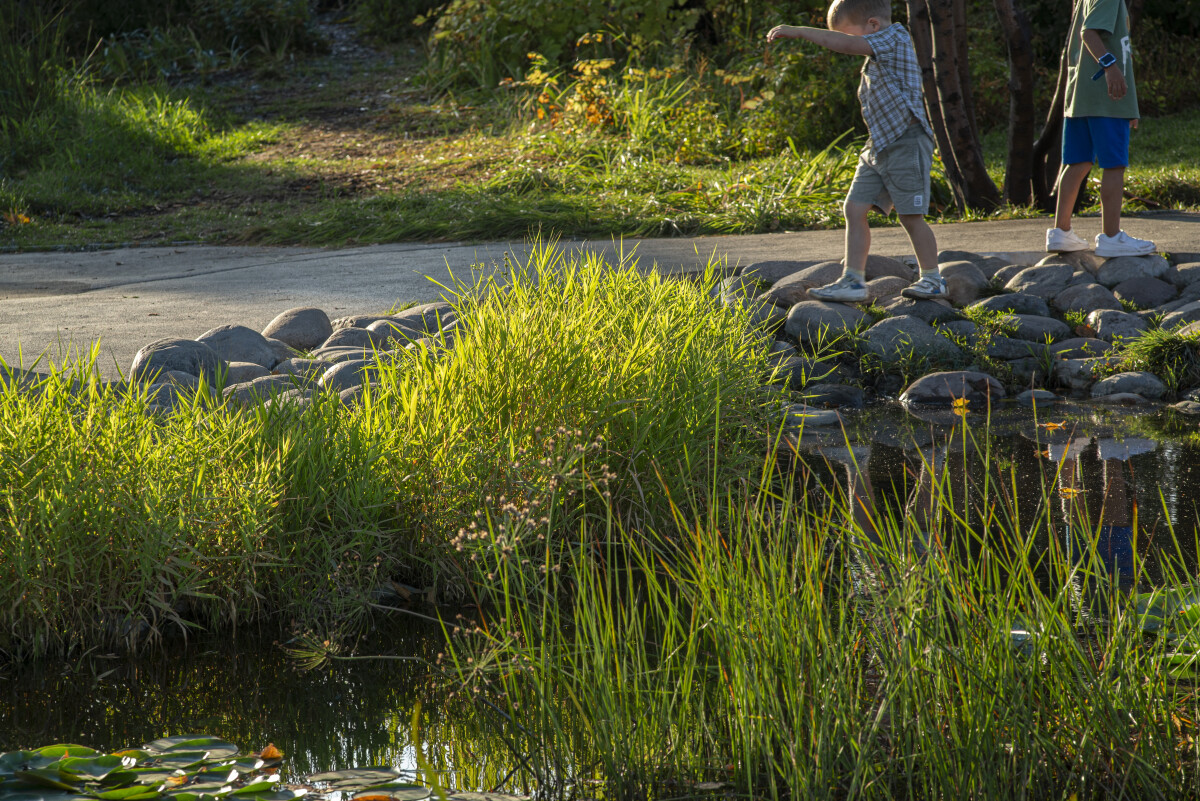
[120, 525]
[793, 640]
[355, 147]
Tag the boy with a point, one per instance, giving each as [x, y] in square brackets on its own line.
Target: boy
[1101, 109]
[893, 169]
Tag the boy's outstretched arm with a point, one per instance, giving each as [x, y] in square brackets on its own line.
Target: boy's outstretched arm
[830, 40]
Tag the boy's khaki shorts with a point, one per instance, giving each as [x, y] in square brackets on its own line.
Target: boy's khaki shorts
[899, 176]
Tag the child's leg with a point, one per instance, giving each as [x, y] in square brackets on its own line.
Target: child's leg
[1069, 182]
[923, 240]
[1112, 189]
[858, 238]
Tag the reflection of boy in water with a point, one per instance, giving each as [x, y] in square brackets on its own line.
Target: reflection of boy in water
[1096, 503]
[925, 503]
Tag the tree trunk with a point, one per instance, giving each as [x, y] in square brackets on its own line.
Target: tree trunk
[921, 30]
[1047, 150]
[976, 190]
[1018, 175]
[962, 53]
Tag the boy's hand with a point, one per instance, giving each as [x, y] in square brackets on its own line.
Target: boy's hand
[782, 32]
[1133, 124]
[1116, 82]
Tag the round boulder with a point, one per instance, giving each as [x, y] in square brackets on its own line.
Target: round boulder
[301, 328]
[793, 288]
[886, 289]
[1044, 281]
[942, 389]
[185, 355]
[1086, 297]
[1146, 385]
[237, 343]
[349, 338]
[345, 375]
[1111, 325]
[895, 336]
[881, 266]
[1145, 293]
[1124, 268]
[817, 321]
[965, 282]
[1033, 328]
[1015, 302]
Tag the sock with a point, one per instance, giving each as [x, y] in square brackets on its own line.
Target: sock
[934, 273]
[857, 275]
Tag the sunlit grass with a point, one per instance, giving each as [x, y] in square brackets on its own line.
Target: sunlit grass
[120, 523]
[787, 638]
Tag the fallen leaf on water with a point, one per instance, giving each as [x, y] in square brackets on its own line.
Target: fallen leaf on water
[1053, 426]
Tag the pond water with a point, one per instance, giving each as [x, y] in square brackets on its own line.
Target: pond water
[1105, 464]
[343, 715]
[1095, 470]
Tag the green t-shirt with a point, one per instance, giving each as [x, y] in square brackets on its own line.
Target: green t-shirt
[1088, 98]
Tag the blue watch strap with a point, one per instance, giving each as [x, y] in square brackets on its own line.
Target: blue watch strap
[1106, 61]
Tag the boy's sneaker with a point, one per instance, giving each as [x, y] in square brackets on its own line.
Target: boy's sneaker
[1060, 241]
[846, 289]
[930, 287]
[1122, 244]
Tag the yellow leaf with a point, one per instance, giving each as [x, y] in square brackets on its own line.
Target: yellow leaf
[1053, 426]
[271, 752]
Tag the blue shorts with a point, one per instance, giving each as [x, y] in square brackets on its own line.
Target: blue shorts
[1103, 141]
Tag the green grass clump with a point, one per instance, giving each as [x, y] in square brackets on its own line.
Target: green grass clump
[1172, 356]
[119, 524]
[794, 640]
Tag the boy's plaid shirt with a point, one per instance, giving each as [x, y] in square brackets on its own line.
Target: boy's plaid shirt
[890, 89]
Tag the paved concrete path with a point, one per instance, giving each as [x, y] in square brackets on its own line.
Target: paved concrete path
[52, 303]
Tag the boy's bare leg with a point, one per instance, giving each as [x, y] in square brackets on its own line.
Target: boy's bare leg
[1112, 188]
[858, 239]
[1069, 182]
[923, 240]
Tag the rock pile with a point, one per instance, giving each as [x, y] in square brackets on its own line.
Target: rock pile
[299, 353]
[1059, 323]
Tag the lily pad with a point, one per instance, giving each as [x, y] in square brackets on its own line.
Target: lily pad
[486, 797]
[15, 761]
[66, 750]
[44, 795]
[356, 778]
[395, 792]
[260, 785]
[273, 795]
[180, 760]
[94, 768]
[247, 764]
[44, 777]
[135, 793]
[220, 774]
[215, 746]
[210, 788]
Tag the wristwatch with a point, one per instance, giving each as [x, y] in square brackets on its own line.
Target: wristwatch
[1106, 61]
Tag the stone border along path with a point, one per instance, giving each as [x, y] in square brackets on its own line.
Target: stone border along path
[302, 351]
[1031, 304]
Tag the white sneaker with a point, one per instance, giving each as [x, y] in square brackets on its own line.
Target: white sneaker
[1122, 244]
[844, 290]
[928, 288]
[1060, 241]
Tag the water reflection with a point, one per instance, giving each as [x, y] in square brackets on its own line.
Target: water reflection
[1117, 480]
[349, 714]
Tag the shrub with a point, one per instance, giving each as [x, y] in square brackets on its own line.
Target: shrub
[390, 20]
